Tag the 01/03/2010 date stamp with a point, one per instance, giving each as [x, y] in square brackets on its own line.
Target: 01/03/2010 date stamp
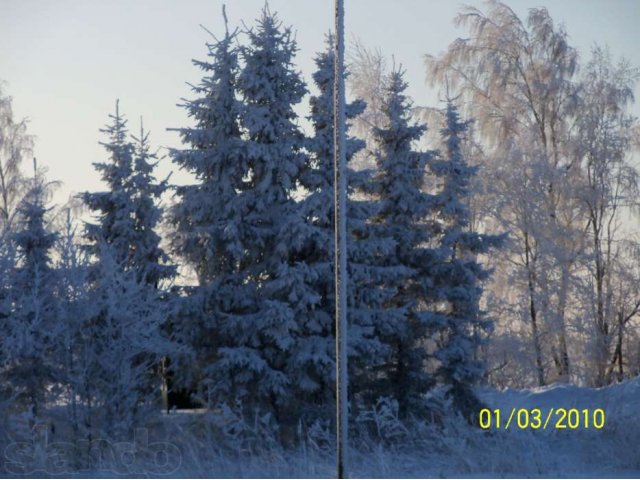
[538, 419]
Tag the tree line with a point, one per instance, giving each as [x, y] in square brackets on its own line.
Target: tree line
[522, 200]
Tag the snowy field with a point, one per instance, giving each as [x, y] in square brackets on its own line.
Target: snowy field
[224, 445]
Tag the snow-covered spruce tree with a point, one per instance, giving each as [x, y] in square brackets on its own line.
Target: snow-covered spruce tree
[208, 215]
[458, 274]
[148, 259]
[312, 366]
[403, 215]
[119, 343]
[30, 325]
[375, 277]
[73, 268]
[128, 263]
[110, 343]
[7, 261]
[114, 210]
[374, 274]
[255, 351]
[128, 212]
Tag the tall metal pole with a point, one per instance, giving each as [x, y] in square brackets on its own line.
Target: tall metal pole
[340, 245]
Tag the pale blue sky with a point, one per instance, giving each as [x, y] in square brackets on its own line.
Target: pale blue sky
[66, 61]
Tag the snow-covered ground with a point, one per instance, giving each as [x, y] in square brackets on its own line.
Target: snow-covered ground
[457, 450]
[202, 445]
[612, 451]
[620, 401]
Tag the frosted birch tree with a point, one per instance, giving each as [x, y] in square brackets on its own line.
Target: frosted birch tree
[368, 75]
[15, 145]
[518, 79]
[609, 191]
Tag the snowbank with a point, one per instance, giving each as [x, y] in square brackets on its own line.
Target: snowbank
[621, 402]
